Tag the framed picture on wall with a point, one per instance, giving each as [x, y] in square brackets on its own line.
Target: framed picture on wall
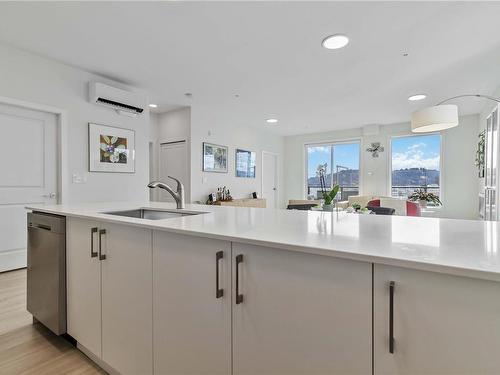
[245, 163]
[111, 149]
[214, 158]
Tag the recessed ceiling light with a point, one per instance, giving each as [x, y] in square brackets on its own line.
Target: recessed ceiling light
[153, 105]
[272, 120]
[335, 41]
[416, 97]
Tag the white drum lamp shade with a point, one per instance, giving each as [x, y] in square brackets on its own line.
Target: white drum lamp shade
[433, 119]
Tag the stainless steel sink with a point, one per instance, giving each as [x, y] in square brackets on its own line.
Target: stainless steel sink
[151, 214]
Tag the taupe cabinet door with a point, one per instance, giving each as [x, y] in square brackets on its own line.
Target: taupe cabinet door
[83, 283]
[443, 324]
[192, 323]
[300, 314]
[109, 281]
[127, 324]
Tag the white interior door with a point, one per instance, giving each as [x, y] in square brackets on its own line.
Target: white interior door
[270, 179]
[28, 174]
[173, 162]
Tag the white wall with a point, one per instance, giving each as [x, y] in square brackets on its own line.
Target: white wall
[458, 176]
[221, 125]
[174, 125]
[29, 77]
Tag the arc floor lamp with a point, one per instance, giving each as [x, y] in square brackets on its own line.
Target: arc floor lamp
[441, 116]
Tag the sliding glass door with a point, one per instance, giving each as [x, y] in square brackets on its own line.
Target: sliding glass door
[340, 162]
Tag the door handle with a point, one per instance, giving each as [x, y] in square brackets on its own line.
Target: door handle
[93, 253]
[101, 255]
[391, 316]
[219, 292]
[239, 297]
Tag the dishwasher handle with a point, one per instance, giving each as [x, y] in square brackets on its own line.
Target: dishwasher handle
[40, 226]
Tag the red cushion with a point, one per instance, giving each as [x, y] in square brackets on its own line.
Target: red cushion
[374, 203]
[413, 209]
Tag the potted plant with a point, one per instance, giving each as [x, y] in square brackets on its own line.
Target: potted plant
[356, 207]
[329, 196]
[423, 198]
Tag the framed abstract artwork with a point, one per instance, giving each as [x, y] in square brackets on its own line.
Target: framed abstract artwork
[111, 149]
[214, 158]
[245, 163]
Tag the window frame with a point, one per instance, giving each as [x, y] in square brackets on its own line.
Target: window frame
[305, 161]
[441, 156]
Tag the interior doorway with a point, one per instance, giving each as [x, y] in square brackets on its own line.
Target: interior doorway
[29, 175]
[173, 161]
[270, 179]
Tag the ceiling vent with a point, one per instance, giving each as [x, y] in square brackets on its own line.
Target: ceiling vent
[123, 102]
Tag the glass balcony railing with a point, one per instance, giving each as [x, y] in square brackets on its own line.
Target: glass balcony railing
[343, 194]
[405, 191]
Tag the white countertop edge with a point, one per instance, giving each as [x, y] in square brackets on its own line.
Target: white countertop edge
[369, 258]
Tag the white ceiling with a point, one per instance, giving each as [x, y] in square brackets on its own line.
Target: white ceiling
[270, 54]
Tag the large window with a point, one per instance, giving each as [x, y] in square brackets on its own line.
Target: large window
[342, 167]
[416, 164]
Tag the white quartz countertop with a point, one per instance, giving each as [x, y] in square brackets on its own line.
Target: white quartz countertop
[459, 247]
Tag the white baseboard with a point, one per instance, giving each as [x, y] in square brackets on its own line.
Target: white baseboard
[12, 259]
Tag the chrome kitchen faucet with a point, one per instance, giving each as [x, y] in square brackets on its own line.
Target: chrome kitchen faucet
[177, 195]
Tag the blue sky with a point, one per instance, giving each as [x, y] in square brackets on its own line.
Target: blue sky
[346, 155]
[416, 152]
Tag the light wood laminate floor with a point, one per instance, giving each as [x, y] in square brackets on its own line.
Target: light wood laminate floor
[32, 349]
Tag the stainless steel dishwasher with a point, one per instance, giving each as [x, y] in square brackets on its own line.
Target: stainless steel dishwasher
[46, 286]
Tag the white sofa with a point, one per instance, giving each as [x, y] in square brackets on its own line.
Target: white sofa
[398, 204]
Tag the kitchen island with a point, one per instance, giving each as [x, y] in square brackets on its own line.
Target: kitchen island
[262, 291]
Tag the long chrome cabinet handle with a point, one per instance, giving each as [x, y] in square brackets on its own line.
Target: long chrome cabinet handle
[93, 253]
[391, 316]
[239, 297]
[101, 255]
[219, 291]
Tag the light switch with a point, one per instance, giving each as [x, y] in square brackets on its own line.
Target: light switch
[79, 179]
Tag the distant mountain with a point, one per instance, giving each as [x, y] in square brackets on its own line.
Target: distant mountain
[415, 177]
[348, 177]
[400, 177]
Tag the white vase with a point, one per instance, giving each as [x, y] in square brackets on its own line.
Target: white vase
[328, 207]
[422, 203]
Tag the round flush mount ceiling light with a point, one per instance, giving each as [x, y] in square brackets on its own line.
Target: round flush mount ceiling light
[416, 97]
[272, 121]
[335, 41]
[153, 105]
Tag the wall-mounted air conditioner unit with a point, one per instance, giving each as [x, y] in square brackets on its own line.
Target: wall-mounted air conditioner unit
[123, 102]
